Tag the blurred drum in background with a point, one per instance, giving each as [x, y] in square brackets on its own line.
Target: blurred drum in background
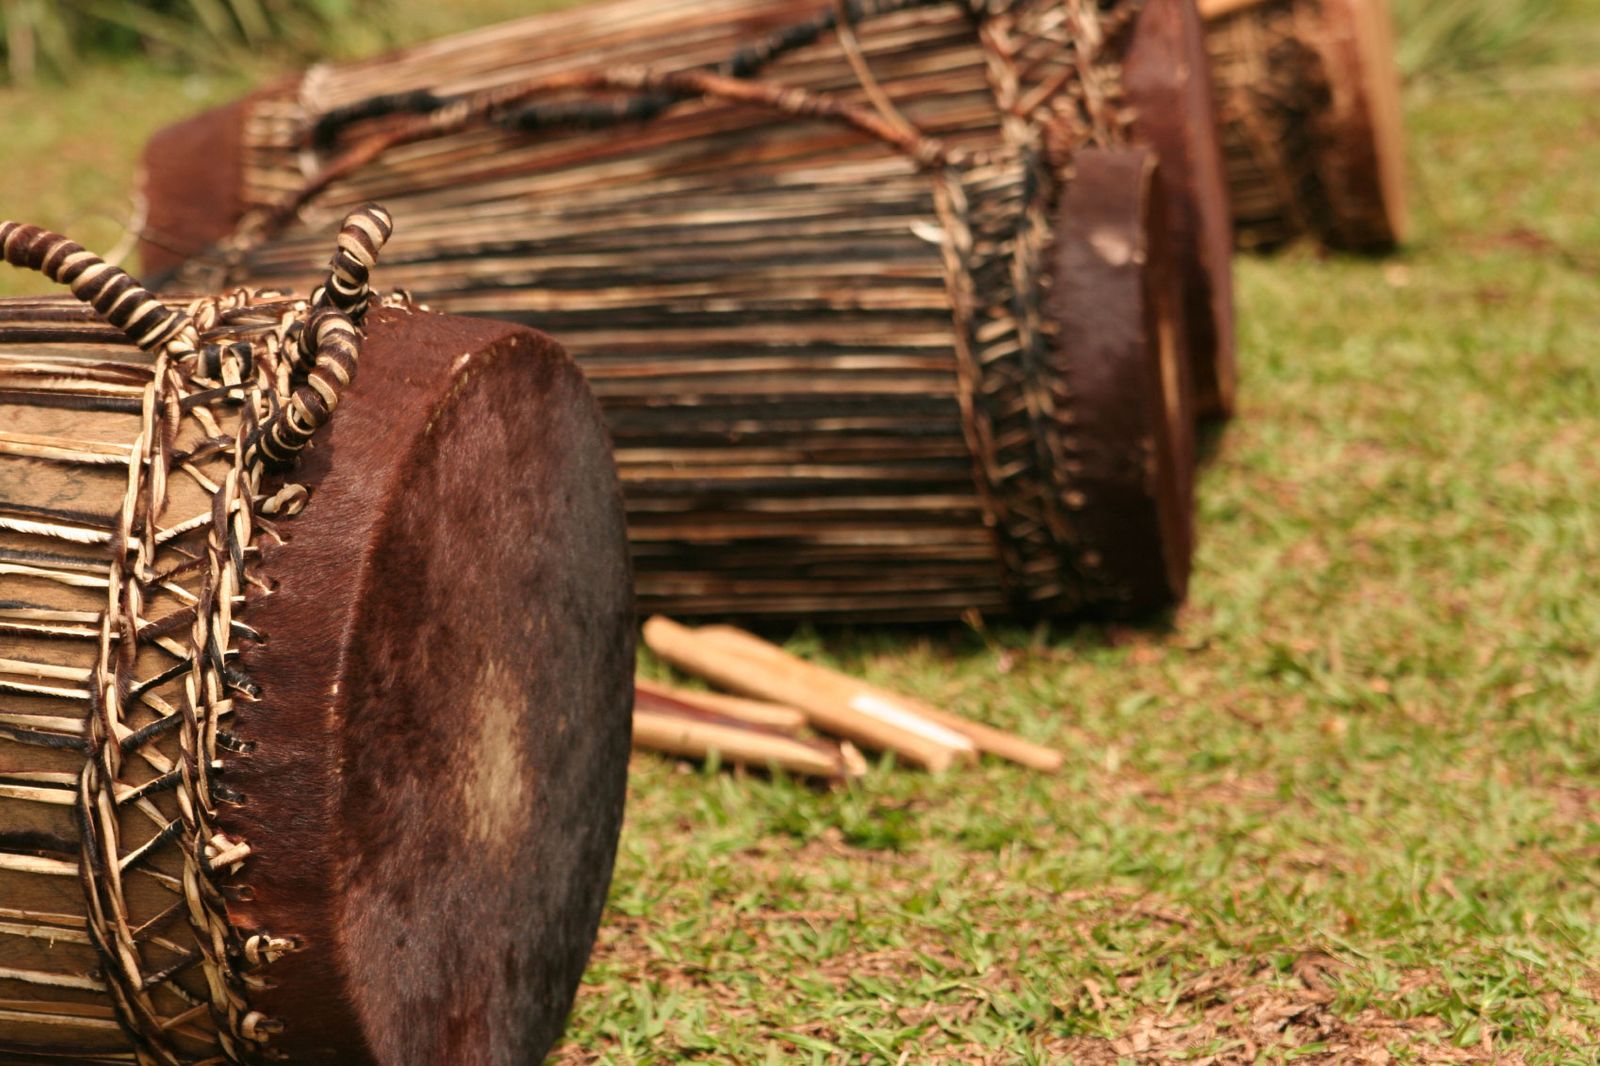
[1309, 98]
[1167, 78]
[817, 263]
[315, 690]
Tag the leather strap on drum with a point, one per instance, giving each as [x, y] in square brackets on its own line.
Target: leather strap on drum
[257, 401]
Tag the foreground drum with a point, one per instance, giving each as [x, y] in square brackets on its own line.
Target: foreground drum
[1309, 98]
[315, 691]
[814, 259]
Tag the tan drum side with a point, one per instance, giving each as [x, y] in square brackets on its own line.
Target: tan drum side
[131, 513]
[1308, 98]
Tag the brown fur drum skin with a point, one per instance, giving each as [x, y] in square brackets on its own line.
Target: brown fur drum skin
[452, 826]
[1118, 302]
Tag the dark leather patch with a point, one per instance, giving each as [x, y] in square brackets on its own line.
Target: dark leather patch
[192, 178]
[1116, 299]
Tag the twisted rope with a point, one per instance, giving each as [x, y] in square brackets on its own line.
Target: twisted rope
[997, 222]
[483, 106]
[361, 238]
[746, 62]
[336, 347]
[117, 298]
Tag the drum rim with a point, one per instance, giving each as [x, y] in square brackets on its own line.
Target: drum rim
[1133, 399]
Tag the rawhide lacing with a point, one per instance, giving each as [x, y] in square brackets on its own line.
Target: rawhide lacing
[232, 388]
[1053, 72]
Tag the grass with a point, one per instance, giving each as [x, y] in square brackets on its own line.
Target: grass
[1343, 809]
[1445, 38]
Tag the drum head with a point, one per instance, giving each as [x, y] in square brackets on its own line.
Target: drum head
[188, 207]
[437, 760]
[1116, 299]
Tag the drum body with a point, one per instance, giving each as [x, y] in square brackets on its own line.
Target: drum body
[322, 763]
[831, 362]
[1308, 94]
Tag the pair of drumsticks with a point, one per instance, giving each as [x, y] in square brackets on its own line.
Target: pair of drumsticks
[778, 694]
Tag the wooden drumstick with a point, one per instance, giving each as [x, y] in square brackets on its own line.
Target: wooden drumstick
[757, 712]
[831, 702]
[1214, 9]
[988, 739]
[742, 744]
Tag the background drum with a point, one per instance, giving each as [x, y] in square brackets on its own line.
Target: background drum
[809, 257]
[314, 699]
[1309, 97]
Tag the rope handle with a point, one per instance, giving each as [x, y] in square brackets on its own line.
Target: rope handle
[746, 62]
[486, 105]
[110, 290]
[329, 340]
[364, 233]
[332, 336]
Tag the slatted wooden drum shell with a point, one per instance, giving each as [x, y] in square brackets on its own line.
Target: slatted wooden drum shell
[811, 274]
[1308, 94]
[317, 760]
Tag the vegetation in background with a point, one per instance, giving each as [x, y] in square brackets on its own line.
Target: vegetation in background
[54, 37]
[1344, 809]
[1442, 38]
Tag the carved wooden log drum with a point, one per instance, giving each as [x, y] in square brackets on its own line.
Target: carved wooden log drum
[313, 727]
[816, 263]
[1308, 94]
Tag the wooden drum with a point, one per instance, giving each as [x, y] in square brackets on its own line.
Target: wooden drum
[1309, 98]
[313, 724]
[823, 264]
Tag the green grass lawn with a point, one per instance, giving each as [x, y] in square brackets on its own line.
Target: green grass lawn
[1343, 810]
